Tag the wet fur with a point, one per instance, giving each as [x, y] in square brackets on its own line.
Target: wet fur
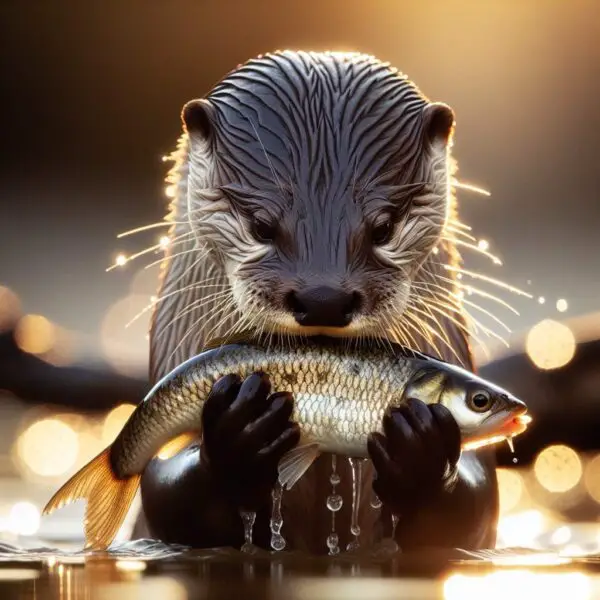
[320, 143]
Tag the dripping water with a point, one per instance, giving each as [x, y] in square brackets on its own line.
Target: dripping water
[395, 519]
[511, 444]
[248, 518]
[375, 501]
[277, 540]
[334, 502]
[356, 467]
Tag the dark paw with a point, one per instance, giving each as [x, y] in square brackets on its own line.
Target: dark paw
[246, 431]
[416, 456]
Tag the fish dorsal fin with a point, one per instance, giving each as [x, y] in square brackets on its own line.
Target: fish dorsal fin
[296, 462]
[243, 337]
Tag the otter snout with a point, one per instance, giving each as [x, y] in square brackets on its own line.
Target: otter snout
[323, 305]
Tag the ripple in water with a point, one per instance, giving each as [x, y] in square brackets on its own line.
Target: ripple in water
[144, 549]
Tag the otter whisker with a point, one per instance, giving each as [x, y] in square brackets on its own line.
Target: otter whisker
[196, 305]
[460, 242]
[169, 257]
[434, 331]
[470, 187]
[455, 231]
[156, 301]
[150, 226]
[469, 289]
[485, 278]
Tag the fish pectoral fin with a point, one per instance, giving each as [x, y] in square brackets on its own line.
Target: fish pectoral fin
[176, 445]
[108, 499]
[296, 462]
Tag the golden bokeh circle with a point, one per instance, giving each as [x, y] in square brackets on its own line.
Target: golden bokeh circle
[550, 344]
[558, 468]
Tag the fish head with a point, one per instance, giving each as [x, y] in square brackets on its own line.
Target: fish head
[484, 412]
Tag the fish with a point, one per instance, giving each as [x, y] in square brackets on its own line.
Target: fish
[341, 393]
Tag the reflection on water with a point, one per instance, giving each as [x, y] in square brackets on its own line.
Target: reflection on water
[148, 570]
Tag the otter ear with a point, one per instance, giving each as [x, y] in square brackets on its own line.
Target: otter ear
[197, 117]
[438, 123]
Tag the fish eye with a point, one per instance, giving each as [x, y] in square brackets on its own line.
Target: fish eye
[382, 232]
[480, 401]
[263, 231]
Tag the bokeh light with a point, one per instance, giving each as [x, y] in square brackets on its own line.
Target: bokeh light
[35, 334]
[171, 190]
[591, 478]
[123, 339]
[164, 242]
[550, 344]
[10, 308]
[562, 305]
[510, 485]
[542, 300]
[520, 529]
[518, 584]
[558, 468]
[24, 519]
[483, 245]
[48, 448]
[114, 422]
[121, 260]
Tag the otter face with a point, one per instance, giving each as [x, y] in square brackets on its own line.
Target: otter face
[328, 189]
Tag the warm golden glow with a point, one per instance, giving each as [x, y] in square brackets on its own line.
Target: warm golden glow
[35, 334]
[483, 245]
[24, 519]
[558, 468]
[120, 260]
[48, 447]
[164, 242]
[562, 305]
[10, 308]
[550, 344]
[561, 536]
[114, 422]
[522, 584]
[131, 565]
[510, 485]
[122, 336]
[520, 529]
[545, 559]
[171, 190]
[591, 478]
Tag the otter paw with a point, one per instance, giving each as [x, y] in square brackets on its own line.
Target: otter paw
[246, 431]
[416, 457]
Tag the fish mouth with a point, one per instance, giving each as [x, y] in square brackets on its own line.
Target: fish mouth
[500, 430]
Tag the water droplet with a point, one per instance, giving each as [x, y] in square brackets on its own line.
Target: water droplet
[515, 460]
[334, 479]
[248, 518]
[334, 502]
[277, 542]
[333, 543]
[395, 519]
[376, 502]
[353, 546]
[356, 467]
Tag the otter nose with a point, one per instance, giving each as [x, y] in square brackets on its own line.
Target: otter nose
[323, 305]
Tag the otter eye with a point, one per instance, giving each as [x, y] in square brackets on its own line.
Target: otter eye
[480, 401]
[382, 232]
[263, 231]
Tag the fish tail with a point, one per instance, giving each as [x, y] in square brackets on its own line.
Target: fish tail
[108, 499]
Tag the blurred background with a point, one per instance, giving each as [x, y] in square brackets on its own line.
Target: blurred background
[91, 99]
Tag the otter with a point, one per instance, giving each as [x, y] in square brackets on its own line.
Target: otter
[313, 195]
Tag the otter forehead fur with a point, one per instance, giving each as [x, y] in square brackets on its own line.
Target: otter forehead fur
[285, 177]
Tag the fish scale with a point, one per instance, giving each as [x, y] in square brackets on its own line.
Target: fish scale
[341, 394]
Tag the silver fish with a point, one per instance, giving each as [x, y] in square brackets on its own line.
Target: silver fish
[341, 393]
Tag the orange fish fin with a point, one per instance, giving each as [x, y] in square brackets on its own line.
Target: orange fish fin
[176, 445]
[108, 499]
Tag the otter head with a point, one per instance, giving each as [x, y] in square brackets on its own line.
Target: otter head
[318, 183]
